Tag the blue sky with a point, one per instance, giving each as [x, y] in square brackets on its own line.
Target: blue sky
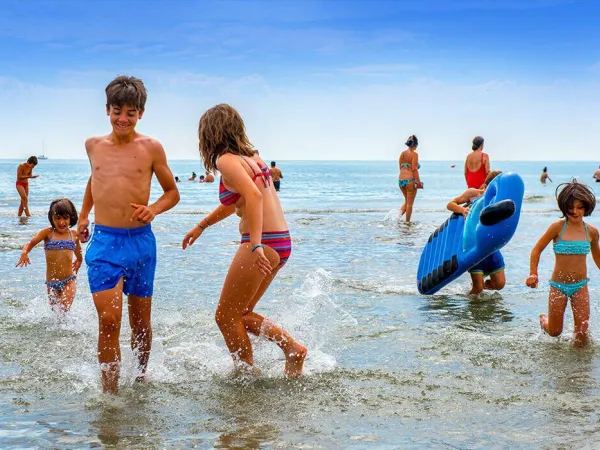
[313, 79]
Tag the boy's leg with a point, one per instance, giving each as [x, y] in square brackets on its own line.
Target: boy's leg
[140, 309]
[477, 280]
[496, 282]
[23, 197]
[109, 304]
[580, 305]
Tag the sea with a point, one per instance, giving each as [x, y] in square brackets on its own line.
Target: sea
[386, 368]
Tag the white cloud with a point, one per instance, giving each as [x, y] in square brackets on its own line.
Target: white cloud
[333, 121]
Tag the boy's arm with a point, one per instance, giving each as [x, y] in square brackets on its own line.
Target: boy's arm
[165, 177]
[594, 245]
[455, 205]
[86, 207]
[78, 255]
[24, 259]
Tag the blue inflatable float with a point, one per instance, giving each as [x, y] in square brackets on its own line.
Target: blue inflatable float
[458, 244]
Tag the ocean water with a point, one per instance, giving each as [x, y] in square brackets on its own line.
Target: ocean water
[386, 368]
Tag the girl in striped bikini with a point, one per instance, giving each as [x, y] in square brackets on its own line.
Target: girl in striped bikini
[246, 189]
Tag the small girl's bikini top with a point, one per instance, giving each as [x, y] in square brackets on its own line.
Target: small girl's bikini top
[228, 198]
[562, 247]
[406, 165]
[60, 244]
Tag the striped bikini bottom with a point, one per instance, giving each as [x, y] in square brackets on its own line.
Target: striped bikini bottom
[280, 241]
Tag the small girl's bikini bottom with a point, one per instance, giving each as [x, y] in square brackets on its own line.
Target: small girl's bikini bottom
[59, 285]
[569, 289]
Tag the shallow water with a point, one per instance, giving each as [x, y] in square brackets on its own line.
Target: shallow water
[387, 367]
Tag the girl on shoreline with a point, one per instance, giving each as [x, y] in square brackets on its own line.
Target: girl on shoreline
[572, 240]
[408, 178]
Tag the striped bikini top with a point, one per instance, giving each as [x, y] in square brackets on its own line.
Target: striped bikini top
[60, 244]
[562, 247]
[227, 197]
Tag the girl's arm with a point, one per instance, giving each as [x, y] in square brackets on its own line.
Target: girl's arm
[415, 168]
[486, 160]
[466, 169]
[594, 245]
[219, 213]
[232, 170]
[536, 252]
[24, 259]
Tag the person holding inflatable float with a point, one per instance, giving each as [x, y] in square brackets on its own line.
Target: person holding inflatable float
[408, 178]
[470, 238]
[572, 240]
[493, 265]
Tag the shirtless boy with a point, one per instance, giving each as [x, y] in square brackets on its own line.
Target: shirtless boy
[24, 173]
[121, 255]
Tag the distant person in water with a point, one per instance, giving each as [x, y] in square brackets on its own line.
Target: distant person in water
[477, 165]
[193, 177]
[545, 176]
[276, 175]
[201, 179]
[24, 173]
[177, 180]
[408, 178]
[597, 175]
[209, 177]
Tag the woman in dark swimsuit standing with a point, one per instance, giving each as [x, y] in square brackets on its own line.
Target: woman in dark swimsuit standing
[477, 165]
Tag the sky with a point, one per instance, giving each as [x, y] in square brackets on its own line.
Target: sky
[313, 80]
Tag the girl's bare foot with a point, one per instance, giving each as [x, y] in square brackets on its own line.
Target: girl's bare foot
[544, 322]
[294, 360]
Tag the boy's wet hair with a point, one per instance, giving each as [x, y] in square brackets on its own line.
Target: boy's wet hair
[221, 130]
[62, 207]
[569, 192]
[33, 160]
[490, 176]
[125, 90]
[412, 141]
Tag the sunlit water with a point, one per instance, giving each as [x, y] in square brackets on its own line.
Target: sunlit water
[387, 367]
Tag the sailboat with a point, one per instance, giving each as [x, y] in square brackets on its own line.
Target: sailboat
[43, 155]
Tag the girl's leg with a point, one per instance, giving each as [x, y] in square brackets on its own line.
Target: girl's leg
[403, 208]
[241, 285]
[294, 352]
[580, 305]
[553, 322]
[411, 193]
[109, 304]
[68, 295]
[140, 309]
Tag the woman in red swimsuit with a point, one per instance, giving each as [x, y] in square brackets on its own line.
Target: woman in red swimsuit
[477, 165]
[246, 189]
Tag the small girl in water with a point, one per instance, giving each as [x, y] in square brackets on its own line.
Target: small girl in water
[60, 243]
[572, 241]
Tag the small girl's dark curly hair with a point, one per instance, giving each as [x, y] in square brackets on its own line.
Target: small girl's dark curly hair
[575, 191]
[62, 207]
